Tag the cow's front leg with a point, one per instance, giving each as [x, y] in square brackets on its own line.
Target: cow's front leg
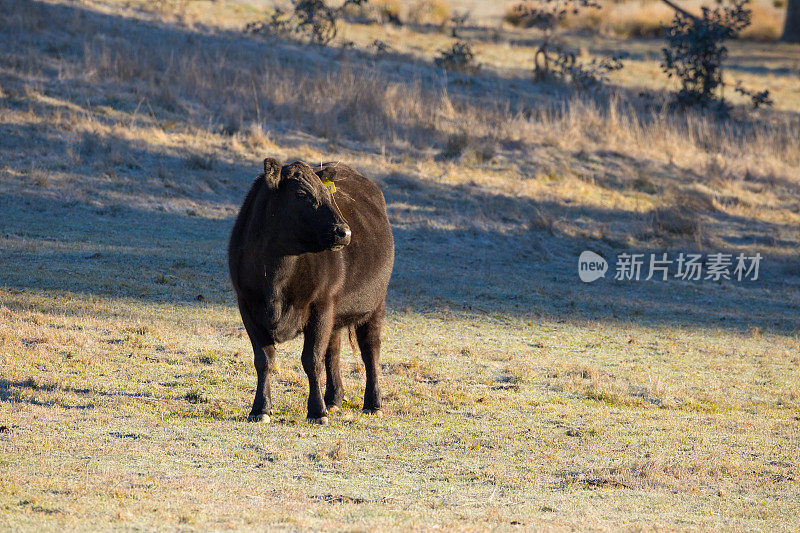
[263, 360]
[262, 403]
[316, 335]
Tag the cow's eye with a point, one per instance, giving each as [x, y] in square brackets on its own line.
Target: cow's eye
[301, 194]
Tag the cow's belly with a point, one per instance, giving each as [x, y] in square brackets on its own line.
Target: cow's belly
[350, 319]
[288, 325]
[284, 334]
[356, 307]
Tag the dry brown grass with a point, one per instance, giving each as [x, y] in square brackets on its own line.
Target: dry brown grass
[385, 111]
[634, 19]
[436, 12]
[646, 18]
[369, 106]
[388, 9]
[767, 22]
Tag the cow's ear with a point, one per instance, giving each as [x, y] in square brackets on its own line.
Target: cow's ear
[272, 172]
[327, 173]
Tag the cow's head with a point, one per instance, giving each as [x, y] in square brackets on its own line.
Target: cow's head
[304, 209]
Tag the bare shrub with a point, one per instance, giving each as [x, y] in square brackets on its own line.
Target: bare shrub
[551, 58]
[314, 20]
[459, 57]
[585, 75]
[457, 22]
[317, 20]
[279, 24]
[516, 14]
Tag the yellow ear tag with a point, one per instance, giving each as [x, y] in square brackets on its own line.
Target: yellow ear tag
[330, 185]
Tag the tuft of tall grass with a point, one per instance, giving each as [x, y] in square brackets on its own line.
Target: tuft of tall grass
[388, 9]
[436, 12]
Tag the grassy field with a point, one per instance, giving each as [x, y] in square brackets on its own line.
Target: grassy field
[517, 397]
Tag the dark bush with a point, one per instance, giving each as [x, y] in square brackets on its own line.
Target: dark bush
[696, 51]
[313, 19]
[552, 59]
[459, 57]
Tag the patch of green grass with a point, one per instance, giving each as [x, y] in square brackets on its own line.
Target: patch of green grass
[196, 396]
[612, 398]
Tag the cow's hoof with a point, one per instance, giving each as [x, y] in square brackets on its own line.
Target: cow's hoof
[373, 412]
[258, 418]
[321, 421]
[333, 405]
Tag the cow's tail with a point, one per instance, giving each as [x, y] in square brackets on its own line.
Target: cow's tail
[351, 336]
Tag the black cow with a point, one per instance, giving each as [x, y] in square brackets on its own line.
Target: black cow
[312, 251]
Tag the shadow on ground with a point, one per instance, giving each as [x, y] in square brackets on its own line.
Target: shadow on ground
[50, 245]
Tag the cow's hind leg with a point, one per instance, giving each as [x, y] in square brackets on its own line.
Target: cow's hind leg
[369, 342]
[334, 388]
[263, 360]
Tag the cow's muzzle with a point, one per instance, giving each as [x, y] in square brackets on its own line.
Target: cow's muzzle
[341, 236]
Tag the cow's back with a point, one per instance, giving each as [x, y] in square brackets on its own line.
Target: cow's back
[242, 232]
